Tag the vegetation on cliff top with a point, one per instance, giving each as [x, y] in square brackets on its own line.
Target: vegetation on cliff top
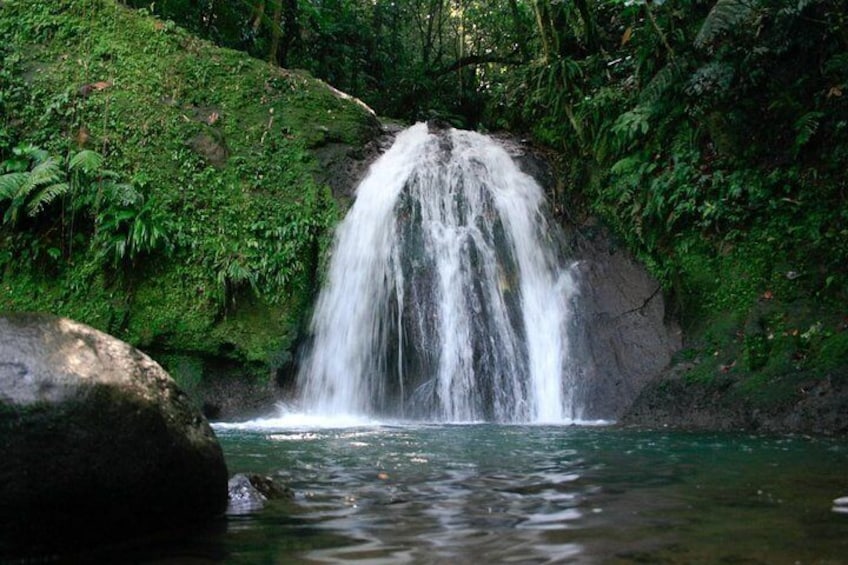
[157, 186]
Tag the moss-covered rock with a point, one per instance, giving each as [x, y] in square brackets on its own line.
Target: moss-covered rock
[780, 366]
[222, 148]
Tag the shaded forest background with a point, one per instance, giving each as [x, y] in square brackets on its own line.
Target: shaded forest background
[690, 125]
[711, 136]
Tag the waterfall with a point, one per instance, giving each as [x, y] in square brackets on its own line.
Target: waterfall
[445, 299]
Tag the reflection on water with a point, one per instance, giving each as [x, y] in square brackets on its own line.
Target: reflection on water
[538, 494]
[378, 493]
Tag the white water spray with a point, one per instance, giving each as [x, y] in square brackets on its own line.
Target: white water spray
[444, 299]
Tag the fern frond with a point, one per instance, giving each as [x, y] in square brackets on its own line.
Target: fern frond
[113, 247]
[48, 171]
[45, 196]
[119, 246]
[714, 78]
[138, 234]
[124, 194]
[87, 161]
[10, 184]
[30, 151]
[654, 90]
[806, 127]
[725, 15]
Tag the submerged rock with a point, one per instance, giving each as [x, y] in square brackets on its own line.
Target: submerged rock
[249, 492]
[97, 441]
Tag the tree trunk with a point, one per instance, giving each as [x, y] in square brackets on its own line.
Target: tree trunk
[521, 31]
[589, 26]
[276, 31]
[290, 32]
[257, 15]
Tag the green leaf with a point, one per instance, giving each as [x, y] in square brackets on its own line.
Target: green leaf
[87, 161]
[725, 15]
[45, 196]
[10, 184]
[806, 127]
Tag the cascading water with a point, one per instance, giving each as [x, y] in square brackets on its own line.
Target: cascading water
[445, 300]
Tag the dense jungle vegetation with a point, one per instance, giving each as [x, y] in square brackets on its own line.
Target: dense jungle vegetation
[711, 136]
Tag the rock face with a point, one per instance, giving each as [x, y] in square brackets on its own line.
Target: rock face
[816, 404]
[342, 166]
[97, 441]
[622, 337]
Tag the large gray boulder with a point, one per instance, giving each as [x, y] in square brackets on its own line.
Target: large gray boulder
[97, 441]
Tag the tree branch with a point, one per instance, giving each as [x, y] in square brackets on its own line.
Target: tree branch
[474, 60]
[644, 304]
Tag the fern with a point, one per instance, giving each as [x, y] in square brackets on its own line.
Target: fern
[31, 153]
[34, 189]
[127, 233]
[715, 78]
[725, 16]
[47, 171]
[87, 161]
[805, 128]
[658, 85]
[111, 193]
[10, 183]
[45, 196]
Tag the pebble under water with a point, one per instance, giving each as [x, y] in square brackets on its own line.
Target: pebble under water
[483, 493]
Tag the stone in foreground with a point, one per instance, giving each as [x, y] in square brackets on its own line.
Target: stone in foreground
[249, 492]
[97, 441]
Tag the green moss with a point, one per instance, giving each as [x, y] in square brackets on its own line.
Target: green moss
[172, 309]
[259, 330]
[834, 354]
[186, 370]
[221, 146]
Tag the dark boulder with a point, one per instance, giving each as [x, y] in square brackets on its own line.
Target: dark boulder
[97, 441]
[342, 166]
[798, 402]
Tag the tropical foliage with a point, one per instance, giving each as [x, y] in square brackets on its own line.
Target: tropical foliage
[146, 192]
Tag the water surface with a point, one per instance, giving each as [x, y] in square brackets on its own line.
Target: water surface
[480, 493]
